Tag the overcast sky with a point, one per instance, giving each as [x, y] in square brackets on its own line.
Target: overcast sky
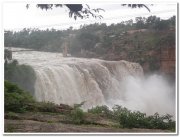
[16, 16]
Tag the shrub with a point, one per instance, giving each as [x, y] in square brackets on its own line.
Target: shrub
[123, 115]
[98, 109]
[77, 116]
[160, 122]
[16, 99]
[45, 107]
[103, 110]
[137, 119]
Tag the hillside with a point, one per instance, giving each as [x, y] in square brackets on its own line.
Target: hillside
[154, 50]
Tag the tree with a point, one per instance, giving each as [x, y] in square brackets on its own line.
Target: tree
[173, 21]
[75, 10]
[136, 6]
[152, 21]
[140, 22]
[82, 11]
[162, 25]
[88, 40]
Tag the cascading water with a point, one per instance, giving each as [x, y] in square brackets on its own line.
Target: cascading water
[97, 82]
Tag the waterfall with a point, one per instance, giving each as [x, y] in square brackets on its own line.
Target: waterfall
[97, 82]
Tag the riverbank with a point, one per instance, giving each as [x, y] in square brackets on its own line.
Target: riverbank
[30, 122]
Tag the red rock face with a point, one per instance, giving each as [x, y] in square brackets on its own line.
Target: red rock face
[145, 67]
[168, 61]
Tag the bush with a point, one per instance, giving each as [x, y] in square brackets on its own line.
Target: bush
[123, 116]
[45, 107]
[16, 99]
[77, 116]
[160, 122]
[137, 119]
[103, 110]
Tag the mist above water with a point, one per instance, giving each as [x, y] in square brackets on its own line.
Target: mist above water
[98, 82]
[148, 94]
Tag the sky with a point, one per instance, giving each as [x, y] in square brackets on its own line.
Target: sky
[17, 17]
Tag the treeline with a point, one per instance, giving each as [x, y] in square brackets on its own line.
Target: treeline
[84, 38]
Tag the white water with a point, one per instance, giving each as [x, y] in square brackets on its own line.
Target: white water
[74, 80]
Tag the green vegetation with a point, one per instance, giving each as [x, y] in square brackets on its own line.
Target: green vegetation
[101, 110]
[77, 116]
[45, 107]
[16, 99]
[135, 119]
[87, 36]
[22, 75]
